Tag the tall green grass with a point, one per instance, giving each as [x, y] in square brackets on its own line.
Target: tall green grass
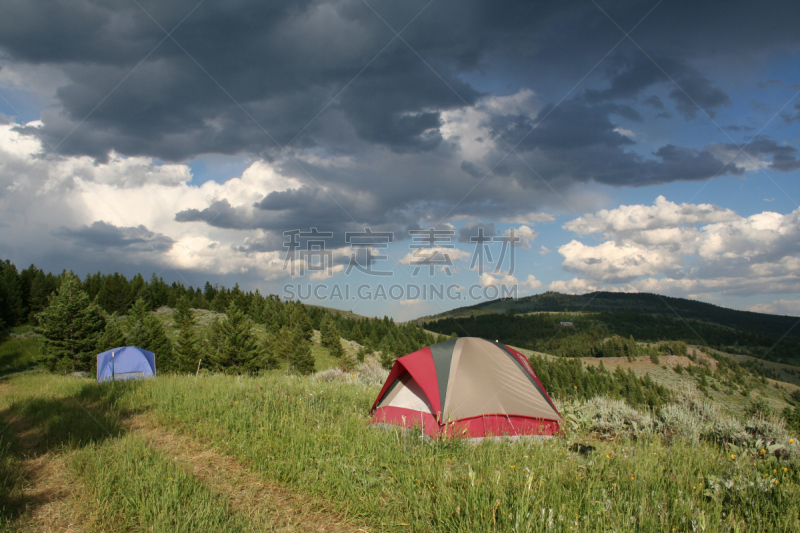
[315, 436]
[134, 488]
[10, 482]
[19, 353]
[138, 489]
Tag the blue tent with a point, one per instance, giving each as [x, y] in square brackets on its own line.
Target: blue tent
[127, 362]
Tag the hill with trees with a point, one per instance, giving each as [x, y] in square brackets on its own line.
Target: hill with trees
[250, 332]
[535, 322]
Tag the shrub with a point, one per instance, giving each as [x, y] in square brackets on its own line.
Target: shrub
[372, 373]
[607, 417]
[332, 374]
[678, 421]
[768, 428]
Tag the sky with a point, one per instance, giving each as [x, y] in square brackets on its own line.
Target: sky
[406, 158]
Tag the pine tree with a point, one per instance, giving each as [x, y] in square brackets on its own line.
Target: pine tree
[136, 333]
[186, 348]
[236, 344]
[299, 319]
[336, 349]
[282, 345]
[329, 336]
[11, 301]
[42, 286]
[112, 337]
[220, 301]
[301, 359]
[71, 325]
[361, 354]
[267, 358]
[388, 358]
[158, 343]
[147, 332]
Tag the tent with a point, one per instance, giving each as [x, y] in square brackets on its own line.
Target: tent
[127, 362]
[467, 387]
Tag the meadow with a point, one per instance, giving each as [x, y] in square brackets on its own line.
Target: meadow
[284, 453]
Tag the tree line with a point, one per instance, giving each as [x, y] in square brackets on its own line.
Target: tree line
[569, 378]
[80, 318]
[588, 335]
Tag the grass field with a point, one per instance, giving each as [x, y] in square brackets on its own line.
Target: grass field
[159, 455]
[284, 453]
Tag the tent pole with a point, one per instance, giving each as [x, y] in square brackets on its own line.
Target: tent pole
[113, 376]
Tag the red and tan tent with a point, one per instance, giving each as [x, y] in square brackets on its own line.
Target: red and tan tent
[468, 387]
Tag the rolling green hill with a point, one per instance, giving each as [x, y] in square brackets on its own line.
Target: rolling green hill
[534, 322]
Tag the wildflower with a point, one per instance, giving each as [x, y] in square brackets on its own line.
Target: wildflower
[791, 441]
[762, 451]
[785, 469]
[608, 456]
[733, 456]
[776, 481]
[632, 478]
[694, 488]
[513, 466]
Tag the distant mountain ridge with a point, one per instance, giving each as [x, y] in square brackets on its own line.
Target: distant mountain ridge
[642, 303]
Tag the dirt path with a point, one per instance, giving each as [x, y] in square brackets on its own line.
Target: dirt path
[268, 506]
[52, 498]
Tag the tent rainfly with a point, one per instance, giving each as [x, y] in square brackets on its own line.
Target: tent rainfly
[466, 387]
[127, 362]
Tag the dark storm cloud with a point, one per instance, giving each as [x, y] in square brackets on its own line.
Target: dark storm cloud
[262, 66]
[573, 124]
[102, 235]
[783, 158]
[698, 96]
[336, 212]
[468, 231]
[260, 73]
[472, 169]
[220, 214]
[792, 117]
[579, 142]
[654, 101]
[283, 61]
[692, 92]
[779, 83]
[733, 127]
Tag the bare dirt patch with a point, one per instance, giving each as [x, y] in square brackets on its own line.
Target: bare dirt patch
[268, 506]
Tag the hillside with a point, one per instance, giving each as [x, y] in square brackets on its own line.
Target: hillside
[534, 322]
[644, 303]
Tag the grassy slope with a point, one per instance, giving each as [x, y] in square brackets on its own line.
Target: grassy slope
[314, 438]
